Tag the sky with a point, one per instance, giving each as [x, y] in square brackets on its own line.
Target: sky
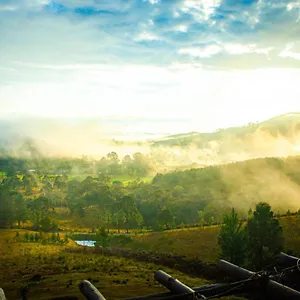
[196, 65]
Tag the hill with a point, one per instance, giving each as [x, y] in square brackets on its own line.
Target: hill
[59, 269]
[240, 185]
[201, 243]
[278, 136]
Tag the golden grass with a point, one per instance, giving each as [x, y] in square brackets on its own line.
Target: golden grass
[291, 232]
[114, 277]
[195, 243]
[202, 244]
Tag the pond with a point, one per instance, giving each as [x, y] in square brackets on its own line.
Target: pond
[89, 243]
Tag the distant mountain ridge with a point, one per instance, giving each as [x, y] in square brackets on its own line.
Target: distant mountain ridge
[278, 136]
[275, 137]
[281, 124]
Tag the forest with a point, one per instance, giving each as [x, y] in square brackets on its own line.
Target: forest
[96, 197]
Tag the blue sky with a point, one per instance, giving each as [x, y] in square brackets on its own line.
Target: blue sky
[213, 63]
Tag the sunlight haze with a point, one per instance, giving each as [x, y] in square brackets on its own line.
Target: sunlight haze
[209, 64]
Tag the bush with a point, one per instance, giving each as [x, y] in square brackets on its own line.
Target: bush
[102, 238]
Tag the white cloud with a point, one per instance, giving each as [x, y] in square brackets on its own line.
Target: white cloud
[182, 28]
[245, 48]
[233, 49]
[200, 9]
[263, 50]
[154, 1]
[204, 52]
[292, 5]
[209, 99]
[239, 48]
[8, 8]
[146, 36]
[287, 53]
[77, 65]
[176, 14]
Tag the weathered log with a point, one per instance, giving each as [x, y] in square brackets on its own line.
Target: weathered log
[90, 291]
[207, 290]
[273, 288]
[287, 260]
[278, 290]
[233, 270]
[172, 284]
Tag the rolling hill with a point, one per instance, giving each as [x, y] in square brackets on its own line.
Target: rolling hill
[279, 136]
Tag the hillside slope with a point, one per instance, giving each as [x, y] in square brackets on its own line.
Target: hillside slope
[240, 185]
[279, 136]
[202, 243]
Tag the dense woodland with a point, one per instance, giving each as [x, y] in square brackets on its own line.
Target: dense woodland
[197, 196]
[136, 165]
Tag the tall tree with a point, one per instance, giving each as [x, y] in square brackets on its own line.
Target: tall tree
[6, 207]
[102, 238]
[264, 235]
[166, 218]
[131, 214]
[19, 208]
[40, 211]
[232, 240]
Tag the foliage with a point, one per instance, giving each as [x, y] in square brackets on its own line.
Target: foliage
[40, 214]
[264, 235]
[102, 238]
[42, 238]
[12, 207]
[232, 240]
[132, 216]
[165, 218]
[198, 196]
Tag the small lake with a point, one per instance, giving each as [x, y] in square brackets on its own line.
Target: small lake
[86, 243]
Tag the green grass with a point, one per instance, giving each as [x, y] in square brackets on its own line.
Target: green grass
[122, 178]
[291, 231]
[114, 277]
[195, 243]
[201, 243]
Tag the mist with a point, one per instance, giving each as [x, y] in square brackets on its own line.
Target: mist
[95, 138]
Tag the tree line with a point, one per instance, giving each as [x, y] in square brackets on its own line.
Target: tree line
[253, 243]
[137, 164]
[198, 196]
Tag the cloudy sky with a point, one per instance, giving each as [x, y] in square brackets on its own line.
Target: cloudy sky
[205, 64]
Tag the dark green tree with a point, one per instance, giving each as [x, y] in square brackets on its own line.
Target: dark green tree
[102, 238]
[19, 208]
[132, 216]
[264, 235]
[166, 218]
[232, 240]
[40, 214]
[6, 207]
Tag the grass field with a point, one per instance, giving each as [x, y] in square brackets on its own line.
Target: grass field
[201, 243]
[127, 179]
[61, 271]
[122, 178]
[194, 243]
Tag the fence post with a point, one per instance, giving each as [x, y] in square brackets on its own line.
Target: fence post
[90, 291]
[172, 284]
[2, 295]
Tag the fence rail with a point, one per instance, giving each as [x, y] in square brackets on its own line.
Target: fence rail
[266, 284]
